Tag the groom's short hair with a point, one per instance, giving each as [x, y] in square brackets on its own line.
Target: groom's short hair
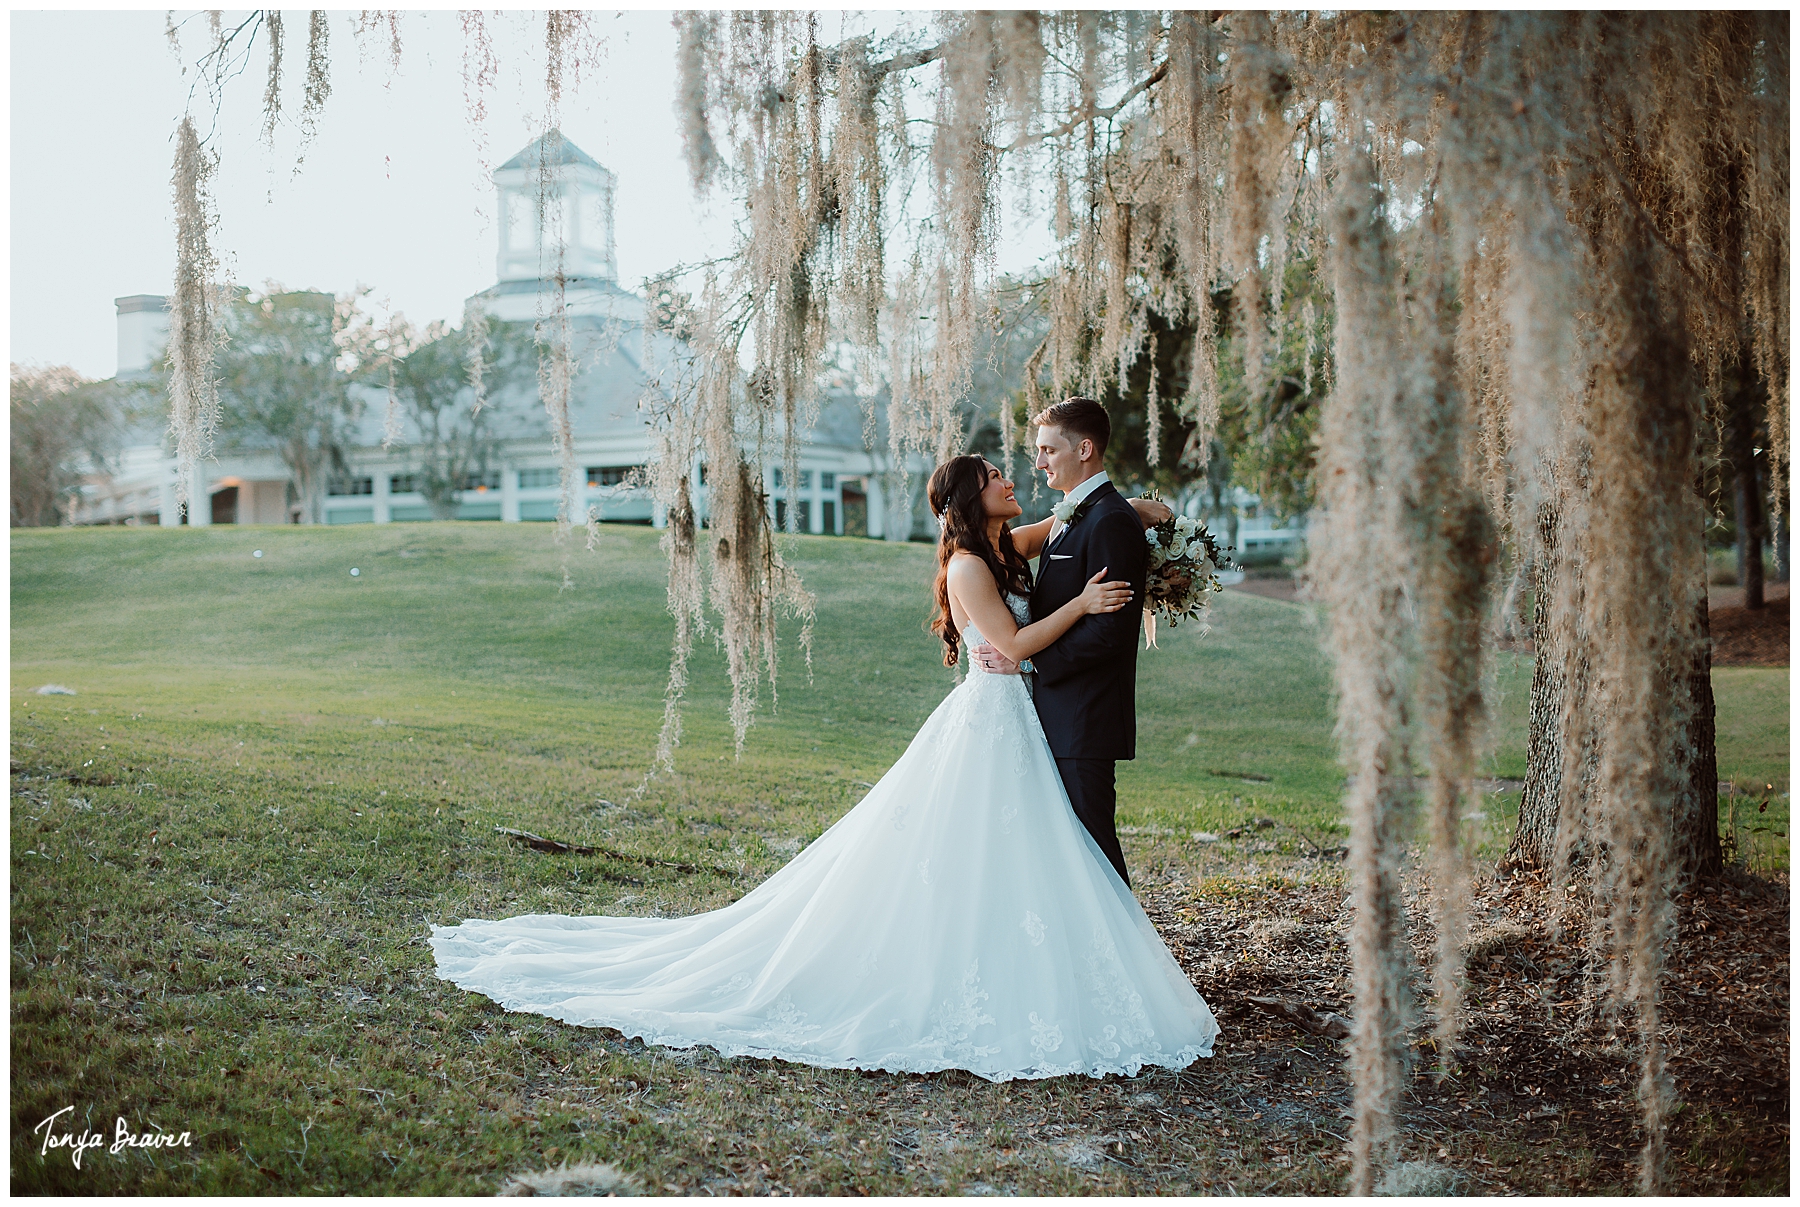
[1081, 418]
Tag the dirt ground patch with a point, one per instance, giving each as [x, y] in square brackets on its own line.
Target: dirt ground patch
[1283, 587]
[1742, 637]
[1543, 1097]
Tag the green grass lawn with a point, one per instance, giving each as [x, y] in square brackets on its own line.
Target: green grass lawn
[189, 626]
[1752, 729]
[226, 848]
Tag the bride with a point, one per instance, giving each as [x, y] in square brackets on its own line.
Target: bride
[959, 917]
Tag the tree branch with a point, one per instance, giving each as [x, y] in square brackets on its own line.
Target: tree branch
[1075, 123]
[212, 67]
[907, 60]
[828, 59]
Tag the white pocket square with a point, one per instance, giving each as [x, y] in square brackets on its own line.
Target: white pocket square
[1061, 557]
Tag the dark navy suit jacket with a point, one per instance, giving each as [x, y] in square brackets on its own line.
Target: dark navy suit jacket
[1086, 692]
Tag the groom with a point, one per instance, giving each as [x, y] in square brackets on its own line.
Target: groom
[1086, 691]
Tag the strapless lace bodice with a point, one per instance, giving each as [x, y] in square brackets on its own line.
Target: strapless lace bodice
[1018, 605]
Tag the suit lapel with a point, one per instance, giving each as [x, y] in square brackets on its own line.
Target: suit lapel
[1086, 506]
[1041, 607]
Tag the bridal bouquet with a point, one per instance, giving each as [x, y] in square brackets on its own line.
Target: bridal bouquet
[1184, 562]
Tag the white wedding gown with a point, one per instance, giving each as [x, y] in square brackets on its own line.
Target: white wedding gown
[959, 917]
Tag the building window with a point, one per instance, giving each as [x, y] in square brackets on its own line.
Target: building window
[480, 481]
[806, 479]
[827, 481]
[828, 511]
[777, 479]
[403, 484]
[351, 486]
[703, 473]
[593, 221]
[518, 221]
[537, 479]
[608, 475]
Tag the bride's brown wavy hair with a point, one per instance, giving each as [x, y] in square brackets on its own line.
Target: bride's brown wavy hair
[954, 493]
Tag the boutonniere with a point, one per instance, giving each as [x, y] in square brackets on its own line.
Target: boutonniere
[1070, 513]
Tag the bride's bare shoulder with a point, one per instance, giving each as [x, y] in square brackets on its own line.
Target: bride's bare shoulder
[966, 570]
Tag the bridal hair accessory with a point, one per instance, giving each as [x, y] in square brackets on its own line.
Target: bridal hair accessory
[1184, 562]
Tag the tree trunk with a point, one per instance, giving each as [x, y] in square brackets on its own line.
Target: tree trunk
[1696, 848]
[1534, 841]
[1747, 495]
[304, 474]
[1780, 545]
[1533, 845]
[443, 502]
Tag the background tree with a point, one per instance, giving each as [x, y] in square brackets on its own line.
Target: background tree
[1268, 424]
[439, 381]
[1265, 431]
[1742, 406]
[63, 429]
[282, 386]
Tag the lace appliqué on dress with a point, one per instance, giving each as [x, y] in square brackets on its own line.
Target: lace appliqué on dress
[787, 1027]
[1045, 1037]
[954, 1022]
[1020, 607]
[965, 713]
[1033, 926]
[1117, 997]
[736, 984]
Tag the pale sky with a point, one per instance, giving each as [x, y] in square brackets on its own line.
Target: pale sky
[393, 194]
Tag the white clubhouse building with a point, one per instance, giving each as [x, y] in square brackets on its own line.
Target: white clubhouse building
[843, 485]
[844, 488]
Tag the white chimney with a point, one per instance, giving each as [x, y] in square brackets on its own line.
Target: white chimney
[143, 332]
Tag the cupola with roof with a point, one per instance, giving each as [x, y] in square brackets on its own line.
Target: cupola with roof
[551, 192]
